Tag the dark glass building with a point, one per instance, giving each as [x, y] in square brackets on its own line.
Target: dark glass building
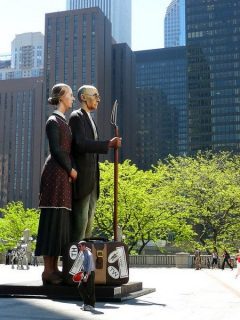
[161, 108]
[20, 139]
[213, 55]
[124, 90]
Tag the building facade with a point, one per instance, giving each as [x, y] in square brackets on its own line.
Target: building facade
[20, 140]
[161, 106]
[124, 91]
[213, 55]
[119, 12]
[174, 24]
[78, 50]
[27, 53]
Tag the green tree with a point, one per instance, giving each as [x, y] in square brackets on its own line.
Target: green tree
[14, 221]
[139, 221]
[206, 190]
[168, 199]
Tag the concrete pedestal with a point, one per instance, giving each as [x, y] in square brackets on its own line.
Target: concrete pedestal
[103, 293]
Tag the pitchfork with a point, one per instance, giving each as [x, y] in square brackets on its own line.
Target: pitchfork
[116, 134]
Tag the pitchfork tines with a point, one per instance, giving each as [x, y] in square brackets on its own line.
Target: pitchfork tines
[114, 114]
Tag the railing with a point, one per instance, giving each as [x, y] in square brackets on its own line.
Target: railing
[183, 260]
[152, 260]
[162, 261]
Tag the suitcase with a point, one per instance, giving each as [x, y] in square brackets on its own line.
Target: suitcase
[111, 260]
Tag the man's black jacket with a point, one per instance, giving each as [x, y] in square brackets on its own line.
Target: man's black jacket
[85, 150]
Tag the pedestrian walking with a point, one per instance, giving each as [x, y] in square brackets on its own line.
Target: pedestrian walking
[87, 287]
[214, 260]
[226, 259]
[197, 259]
[238, 264]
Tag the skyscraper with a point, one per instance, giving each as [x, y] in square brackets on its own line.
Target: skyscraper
[213, 55]
[124, 90]
[161, 113]
[27, 53]
[20, 140]
[119, 12]
[78, 50]
[174, 24]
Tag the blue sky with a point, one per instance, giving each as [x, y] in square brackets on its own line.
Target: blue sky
[19, 16]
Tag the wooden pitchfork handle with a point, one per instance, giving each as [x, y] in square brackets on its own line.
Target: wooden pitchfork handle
[116, 133]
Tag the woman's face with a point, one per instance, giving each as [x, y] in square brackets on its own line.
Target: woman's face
[67, 99]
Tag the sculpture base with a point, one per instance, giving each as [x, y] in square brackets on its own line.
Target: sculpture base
[35, 289]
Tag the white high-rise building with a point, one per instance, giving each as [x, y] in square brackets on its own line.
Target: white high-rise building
[27, 57]
[28, 50]
[174, 24]
[119, 12]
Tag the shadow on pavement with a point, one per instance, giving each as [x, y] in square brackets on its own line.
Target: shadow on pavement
[140, 302]
[12, 308]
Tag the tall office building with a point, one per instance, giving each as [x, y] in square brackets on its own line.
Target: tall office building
[174, 24]
[119, 12]
[27, 50]
[20, 140]
[26, 58]
[161, 105]
[124, 90]
[27, 53]
[78, 50]
[213, 54]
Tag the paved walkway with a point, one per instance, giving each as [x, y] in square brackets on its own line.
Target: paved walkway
[181, 294]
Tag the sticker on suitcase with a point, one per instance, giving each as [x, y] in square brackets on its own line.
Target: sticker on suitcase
[120, 256]
[73, 252]
[78, 263]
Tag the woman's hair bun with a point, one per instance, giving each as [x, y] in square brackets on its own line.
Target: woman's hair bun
[53, 101]
[58, 91]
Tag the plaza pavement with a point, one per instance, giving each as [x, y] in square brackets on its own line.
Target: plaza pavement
[181, 294]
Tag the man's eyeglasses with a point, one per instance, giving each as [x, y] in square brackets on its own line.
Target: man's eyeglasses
[95, 95]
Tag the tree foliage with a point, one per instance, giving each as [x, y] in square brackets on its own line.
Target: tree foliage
[15, 220]
[206, 190]
[196, 200]
[188, 201]
[144, 203]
